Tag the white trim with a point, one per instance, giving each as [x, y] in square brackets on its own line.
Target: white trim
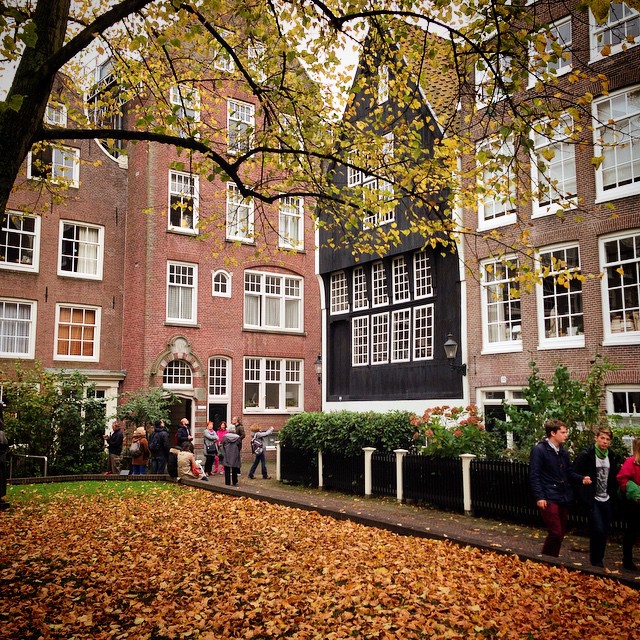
[99, 258]
[96, 336]
[31, 347]
[33, 266]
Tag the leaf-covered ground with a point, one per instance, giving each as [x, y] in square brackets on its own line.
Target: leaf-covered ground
[192, 564]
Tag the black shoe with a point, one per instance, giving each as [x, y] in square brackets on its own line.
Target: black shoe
[630, 565]
[252, 477]
[266, 477]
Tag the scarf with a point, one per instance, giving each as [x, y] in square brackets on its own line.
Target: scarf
[600, 453]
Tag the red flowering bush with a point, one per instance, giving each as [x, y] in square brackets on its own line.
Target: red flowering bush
[450, 431]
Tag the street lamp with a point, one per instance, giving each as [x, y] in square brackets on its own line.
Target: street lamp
[451, 350]
[318, 366]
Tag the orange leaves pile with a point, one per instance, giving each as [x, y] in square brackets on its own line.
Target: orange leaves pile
[192, 564]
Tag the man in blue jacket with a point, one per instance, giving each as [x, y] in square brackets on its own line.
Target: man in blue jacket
[551, 475]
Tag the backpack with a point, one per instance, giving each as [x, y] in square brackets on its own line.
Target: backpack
[172, 465]
[135, 449]
[256, 446]
[155, 446]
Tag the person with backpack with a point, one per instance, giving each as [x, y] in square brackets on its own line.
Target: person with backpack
[159, 447]
[210, 438]
[258, 450]
[139, 450]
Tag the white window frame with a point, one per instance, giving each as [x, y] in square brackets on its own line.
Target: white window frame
[11, 333]
[401, 335]
[360, 288]
[221, 283]
[380, 338]
[338, 293]
[93, 250]
[497, 209]
[185, 189]
[400, 271]
[187, 99]
[184, 374]
[264, 372]
[240, 216]
[380, 296]
[267, 294]
[422, 275]
[568, 326]
[64, 160]
[291, 222]
[222, 60]
[617, 142]
[189, 315]
[241, 124]
[360, 341]
[423, 332]
[632, 414]
[512, 326]
[95, 341]
[615, 32]
[553, 148]
[377, 194]
[219, 371]
[55, 114]
[559, 37]
[383, 84]
[257, 59]
[26, 245]
[487, 92]
[621, 325]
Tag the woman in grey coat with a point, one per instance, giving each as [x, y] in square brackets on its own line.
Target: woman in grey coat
[231, 445]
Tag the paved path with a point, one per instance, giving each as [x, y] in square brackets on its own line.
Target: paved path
[406, 519]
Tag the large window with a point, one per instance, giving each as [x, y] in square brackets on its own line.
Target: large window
[339, 293]
[617, 144]
[401, 335]
[560, 315]
[77, 333]
[291, 222]
[360, 341]
[619, 32]
[81, 250]
[57, 164]
[272, 301]
[497, 188]
[554, 166]
[240, 126]
[360, 296]
[624, 400]
[183, 201]
[219, 372]
[239, 215]
[272, 384]
[17, 328]
[182, 292]
[380, 338]
[379, 285]
[493, 79]
[423, 332]
[378, 202]
[620, 260]
[556, 57]
[502, 323]
[19, 241]
[185, 103]
[422, 275]
[55, 115]
[178, 374]
[400, 280]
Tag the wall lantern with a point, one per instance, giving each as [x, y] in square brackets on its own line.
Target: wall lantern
[318, 366]
[451, 350]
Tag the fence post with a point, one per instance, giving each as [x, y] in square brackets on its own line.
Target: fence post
[400, 454]
[278, 454]
[320, 474]
[368, 476]
[466, 481]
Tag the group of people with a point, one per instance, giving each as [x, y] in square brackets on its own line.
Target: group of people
[603, 483]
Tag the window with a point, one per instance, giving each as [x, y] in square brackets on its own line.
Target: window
[221, 284]
[400, 280]
[81, 250]
[422, 275]
[185, 103]
[77, 333]
[502, 324]
[57, 164]
[620, 260]
[400, 335]
[256, 55]
[625, 401]
[272, 301]
[379, 285]
[354, 174]
[493, 79]
[380, 338]
[498, 184]
[222, 60]
[339, 293]
[17, 328]
[182, 289]
[19, 241]
[360, 341]
[183, 202]
[240, 126]
[291, 222]
[617, 143]
[560, 297]
[383, 83]
[618, 33]
[360, 297]
[272, 384]
[554, 166]
[556, 57]
[55, 115]
[239, 215]
[378, 204]
[423, 332]
[178, 374]
[219, 377]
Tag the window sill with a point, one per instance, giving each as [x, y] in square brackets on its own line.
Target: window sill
[575, 342]
[177, 323]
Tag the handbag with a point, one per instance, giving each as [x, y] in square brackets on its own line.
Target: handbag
[211, 449]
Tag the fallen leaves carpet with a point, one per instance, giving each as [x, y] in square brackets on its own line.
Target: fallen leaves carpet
[193, 564]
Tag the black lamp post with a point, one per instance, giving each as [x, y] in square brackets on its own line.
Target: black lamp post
[451, 350]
